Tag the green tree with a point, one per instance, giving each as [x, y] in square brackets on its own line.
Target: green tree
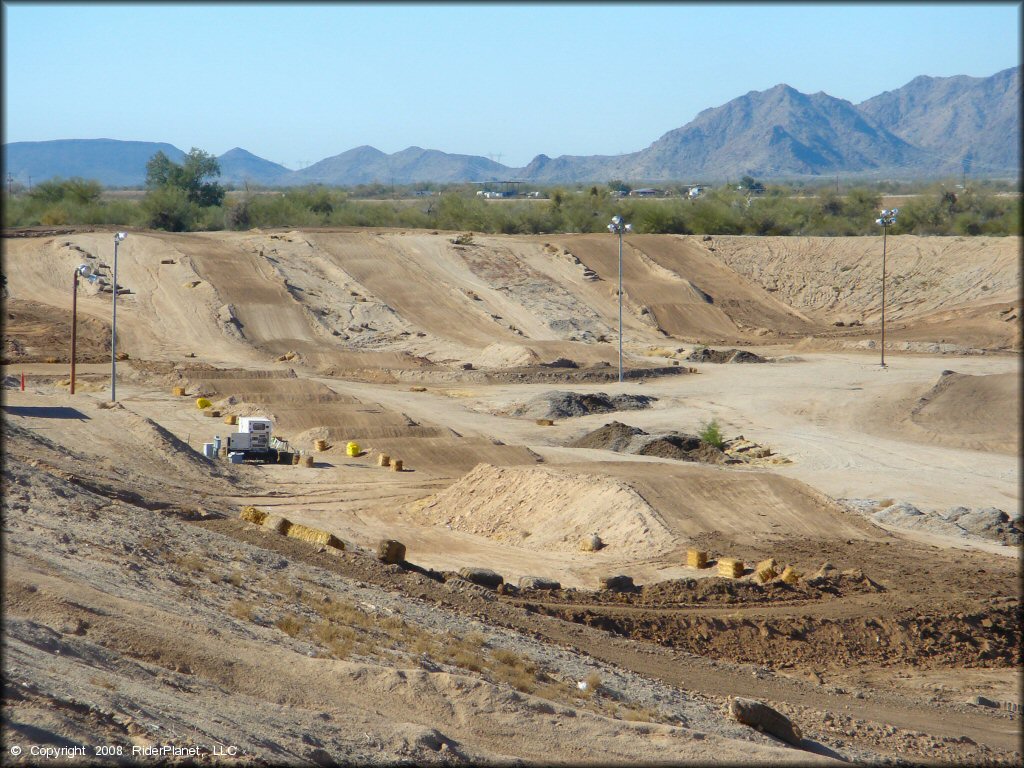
[190, 177]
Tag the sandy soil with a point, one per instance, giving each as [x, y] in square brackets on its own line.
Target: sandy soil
[139, 610]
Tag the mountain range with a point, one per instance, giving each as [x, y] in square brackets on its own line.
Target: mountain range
[931, 127]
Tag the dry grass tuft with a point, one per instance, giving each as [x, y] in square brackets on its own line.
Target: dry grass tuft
[290, 624]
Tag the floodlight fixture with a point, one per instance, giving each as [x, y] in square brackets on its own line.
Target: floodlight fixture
[118, 237]
[886, 220]
[619, 227]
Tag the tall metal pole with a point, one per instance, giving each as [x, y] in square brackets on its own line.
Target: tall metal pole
[113, 333]
[74, 328]
[620, 306]
[885, 231]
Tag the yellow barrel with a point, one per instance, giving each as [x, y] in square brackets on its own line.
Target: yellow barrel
[352, 449]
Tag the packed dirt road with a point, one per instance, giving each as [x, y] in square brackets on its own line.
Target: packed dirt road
[140, 611]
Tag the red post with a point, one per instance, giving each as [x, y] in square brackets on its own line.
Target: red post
[22, 381]
[74, 328]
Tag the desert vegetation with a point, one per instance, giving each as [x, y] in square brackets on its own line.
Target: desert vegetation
[184, 198]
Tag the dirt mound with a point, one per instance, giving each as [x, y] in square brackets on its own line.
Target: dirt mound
[708, 355]
[564, 405]
[611, 437]
[680, 446]
[987, 523]
[984, 408]
[547, 509]
[37, 333]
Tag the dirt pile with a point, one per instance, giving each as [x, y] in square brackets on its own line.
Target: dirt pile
[984, 409]
[547, 509]
[708, 355]
[622, 438]
[986, 524]
[565, 405]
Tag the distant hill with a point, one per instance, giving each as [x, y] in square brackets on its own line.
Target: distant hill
[965, 123]
[366, 165]
[931, 127]
[237, 166]
[111, 162]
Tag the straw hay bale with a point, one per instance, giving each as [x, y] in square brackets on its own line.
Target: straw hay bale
[766, 570]
[253, 515]
[790, 575]
[178, 391]
[296, 458]
[545, 423]
[202, 402]
[617, 583]
[396, 465]
[231, 418]
[277, 524]
[307, 461]
[390, 551]
[417, 389]
[696, 558]
[485, 577]
[730, 567]
[383, 460]
[212, 413]
[314, 536]
[320, 445]
[591, 543]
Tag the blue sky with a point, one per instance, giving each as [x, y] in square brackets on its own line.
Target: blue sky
[298, 83]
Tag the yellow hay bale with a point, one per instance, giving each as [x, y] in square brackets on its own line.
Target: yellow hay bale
[417, 389]
[790, 575]
[766, 570]
[202, 402]
[545, 423]
[178, 391]
[396, 465]
[231, 419]
[320, 445]
[591, 543]
[383, 460]
[253, 515]
[296, 458]
[213, 413]
[314, 536]
[307, 461]
[277, 524]
[730, 567]
[696, 558]
[352, 449]
[390, 551]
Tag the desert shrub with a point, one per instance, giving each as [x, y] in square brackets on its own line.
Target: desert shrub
[169, 208]
[290, 624]
[711, 434]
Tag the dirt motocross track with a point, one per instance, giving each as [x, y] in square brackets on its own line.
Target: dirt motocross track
[141, 611]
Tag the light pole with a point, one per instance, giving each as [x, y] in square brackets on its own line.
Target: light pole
[113, 324]
[886, 220]
[618, 227]
[85, 271]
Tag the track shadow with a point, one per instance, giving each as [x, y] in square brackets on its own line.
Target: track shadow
[820, 749]
[45, 412]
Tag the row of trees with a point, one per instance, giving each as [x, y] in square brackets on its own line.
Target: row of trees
[185, 197]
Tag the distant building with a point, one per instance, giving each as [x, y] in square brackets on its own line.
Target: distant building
[648, 192]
